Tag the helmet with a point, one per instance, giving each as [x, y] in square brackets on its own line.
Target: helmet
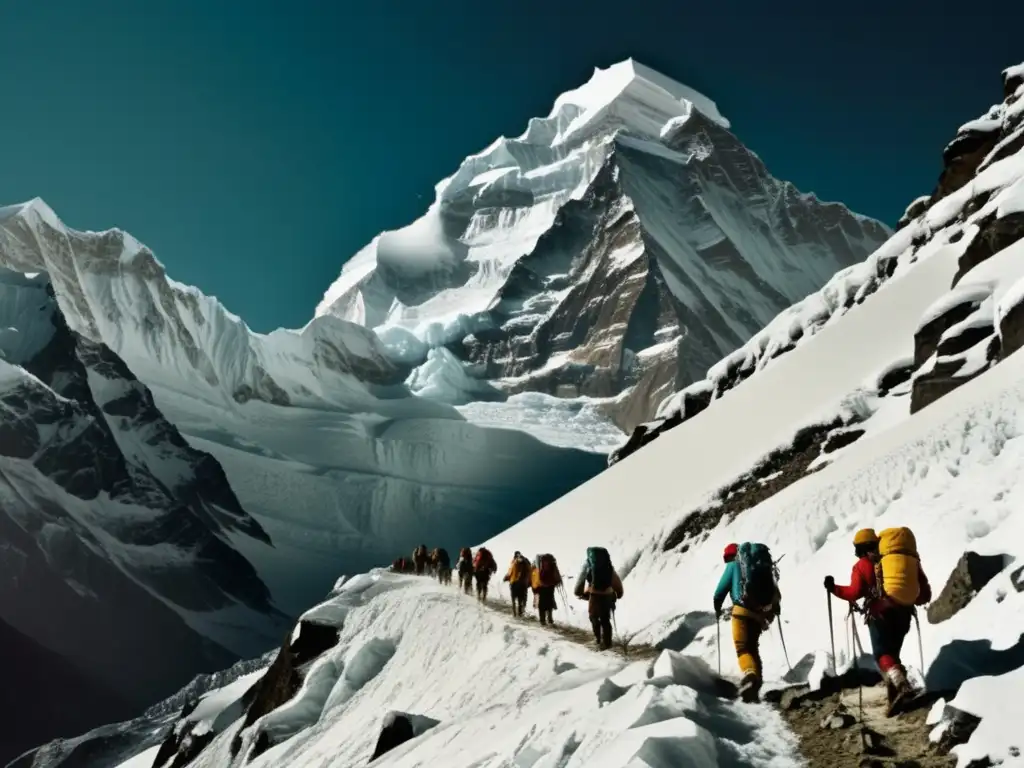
[730, 552]
[865, 536]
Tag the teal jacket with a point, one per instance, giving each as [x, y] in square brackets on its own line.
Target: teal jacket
[729, 585]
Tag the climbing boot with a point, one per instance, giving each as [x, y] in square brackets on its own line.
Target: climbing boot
[750, 688]
[901, 690]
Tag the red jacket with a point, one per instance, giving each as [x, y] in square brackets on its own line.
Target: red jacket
[862, 586]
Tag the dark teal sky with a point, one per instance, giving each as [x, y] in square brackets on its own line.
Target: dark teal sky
[256, 144]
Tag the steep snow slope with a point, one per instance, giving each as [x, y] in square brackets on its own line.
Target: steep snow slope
[618, 247]
[340, 464]
[115, 532]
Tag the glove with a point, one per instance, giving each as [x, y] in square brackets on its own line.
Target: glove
[830, 584]
[718, 612]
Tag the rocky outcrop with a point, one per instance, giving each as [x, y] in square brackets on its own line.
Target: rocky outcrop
[693, 402]
[954, 347]
[994, 235]
[778, 471]
[970, 575]
[399, 727]
[283, 679]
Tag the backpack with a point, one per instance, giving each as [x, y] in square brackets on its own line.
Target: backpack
[758, 576]
[519, 571]
[599, 564]
[897, 573]
[465, 553]
[548, 571]
[442, 557]
[483, 560]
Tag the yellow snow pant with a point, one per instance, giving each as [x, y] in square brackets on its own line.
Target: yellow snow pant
[746, 634]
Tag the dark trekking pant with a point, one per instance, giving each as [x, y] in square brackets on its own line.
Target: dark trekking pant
[466, 579]
[420, 567]
[600, 610]
[444, 573]
[518, 590]
[887, 632]
[546, 604]
[482, 577]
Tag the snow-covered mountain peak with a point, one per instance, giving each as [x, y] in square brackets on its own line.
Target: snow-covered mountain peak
[531, 263]
[633, 92]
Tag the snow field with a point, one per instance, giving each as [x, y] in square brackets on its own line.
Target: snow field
[503, 694]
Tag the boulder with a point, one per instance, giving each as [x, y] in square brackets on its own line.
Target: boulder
[970, 575]
[398, 728]
[994, 235]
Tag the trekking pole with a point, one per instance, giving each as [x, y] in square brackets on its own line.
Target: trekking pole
[859, 649]
[920, 643]
[718, 648]
[785, 653]
[831, 633]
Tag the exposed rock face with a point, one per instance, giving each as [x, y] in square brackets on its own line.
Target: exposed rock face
[284, 677]
[994, 235]
[970, 575]
[113, 527]
[625, 265]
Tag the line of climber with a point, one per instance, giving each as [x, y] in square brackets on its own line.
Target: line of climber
[598, 582]
[887, 577]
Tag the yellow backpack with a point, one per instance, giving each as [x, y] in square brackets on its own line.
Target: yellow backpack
[897, 572]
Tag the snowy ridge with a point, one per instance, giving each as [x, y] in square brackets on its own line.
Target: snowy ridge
[534, 698]
[112, 289]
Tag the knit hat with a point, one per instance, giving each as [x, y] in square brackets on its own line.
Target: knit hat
[865, 536]
[730, 552]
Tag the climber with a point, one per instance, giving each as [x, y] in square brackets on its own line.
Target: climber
[518, 578]
[442, 564]
[465, 568]
[889, 578]
[749, 580]
[483, 567]
[420, 558]
[600, 585]
[545, 580]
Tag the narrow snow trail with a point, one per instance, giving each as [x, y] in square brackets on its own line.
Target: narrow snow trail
[504, 693]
